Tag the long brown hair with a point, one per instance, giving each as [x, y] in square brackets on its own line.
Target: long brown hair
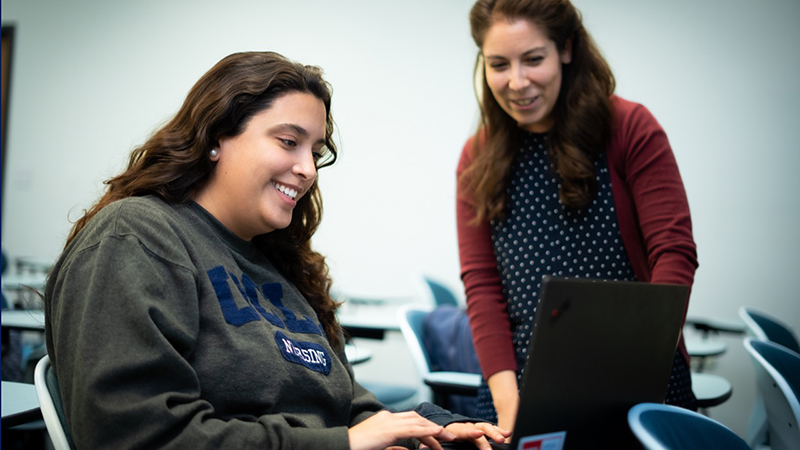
[174, 164]
[582, 114]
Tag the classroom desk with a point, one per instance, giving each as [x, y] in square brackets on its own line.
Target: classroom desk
[710, 390]
[364, 323]
[371, 320]
[33, 264]
[16, 282]
[356, 354]
[20, 404]
[23, 319]
[358, 327]
[458, 383]
[706, 325]
[702, 348]
[23, 289]
[365, 320]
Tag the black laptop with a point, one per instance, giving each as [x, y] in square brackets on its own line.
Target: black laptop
[598, 349]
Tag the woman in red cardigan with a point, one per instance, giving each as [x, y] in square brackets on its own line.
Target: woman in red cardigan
[562, 178]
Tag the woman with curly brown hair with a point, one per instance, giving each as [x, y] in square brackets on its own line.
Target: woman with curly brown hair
[188, 309]
[562, 178]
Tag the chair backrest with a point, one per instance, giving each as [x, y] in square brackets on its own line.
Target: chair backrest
[778, 379]
[412, 320]
[50, 402]
[769, 328]
[442, 295]
[664, 427]
[441, 346]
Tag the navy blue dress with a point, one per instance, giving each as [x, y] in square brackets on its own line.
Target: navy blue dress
[539, 236]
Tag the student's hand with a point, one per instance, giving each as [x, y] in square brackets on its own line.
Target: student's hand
[477, 433]
[384, 428]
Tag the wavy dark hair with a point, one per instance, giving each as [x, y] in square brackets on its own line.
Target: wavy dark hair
[174, 164]
[582, 114]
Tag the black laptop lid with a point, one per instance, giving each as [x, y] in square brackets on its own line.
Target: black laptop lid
[597, 349]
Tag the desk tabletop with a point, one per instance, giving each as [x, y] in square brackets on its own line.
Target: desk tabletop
[356, 354]
[702, 348]
[20, 404]
[707, 324]
[23, 319]
[380, 319]
[710, 390]
[369, 320]
[13, 282]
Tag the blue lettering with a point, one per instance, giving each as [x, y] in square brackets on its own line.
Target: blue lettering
[274, 293]
[254, 310]
[233, 314]
[249, 291]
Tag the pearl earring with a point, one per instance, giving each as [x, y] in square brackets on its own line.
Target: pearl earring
[214, 152]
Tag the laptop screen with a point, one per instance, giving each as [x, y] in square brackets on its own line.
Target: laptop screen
[597, 349]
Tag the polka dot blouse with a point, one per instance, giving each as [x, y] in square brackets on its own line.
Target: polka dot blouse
[540, 236]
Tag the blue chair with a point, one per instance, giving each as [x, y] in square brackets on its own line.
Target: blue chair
[52, 408]
[764, 327]
[778, 379]
[438, 385]
[665, 427]
[436, 293]
[768, 328]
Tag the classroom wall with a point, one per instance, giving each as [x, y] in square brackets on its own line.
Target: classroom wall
[92, 79]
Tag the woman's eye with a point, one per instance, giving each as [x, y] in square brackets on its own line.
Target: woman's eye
[535, 59]
[497, 66]
[288, 142]
[318, 155]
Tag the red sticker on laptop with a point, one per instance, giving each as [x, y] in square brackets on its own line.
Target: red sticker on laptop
[549, 441]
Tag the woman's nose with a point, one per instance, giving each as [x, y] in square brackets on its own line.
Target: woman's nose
[517, 78]
[305, 167]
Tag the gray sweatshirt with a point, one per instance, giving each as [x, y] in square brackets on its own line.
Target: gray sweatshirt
[166, 330]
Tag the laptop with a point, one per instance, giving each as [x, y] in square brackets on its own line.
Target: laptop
[598, 348]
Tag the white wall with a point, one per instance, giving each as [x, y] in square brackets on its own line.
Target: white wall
[91, 79]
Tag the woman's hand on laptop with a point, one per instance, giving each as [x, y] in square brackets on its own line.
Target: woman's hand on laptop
[384, 428]
[477, 433]
[505, 392]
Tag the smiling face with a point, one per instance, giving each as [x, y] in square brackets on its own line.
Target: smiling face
[523, 71]
[262, 172]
